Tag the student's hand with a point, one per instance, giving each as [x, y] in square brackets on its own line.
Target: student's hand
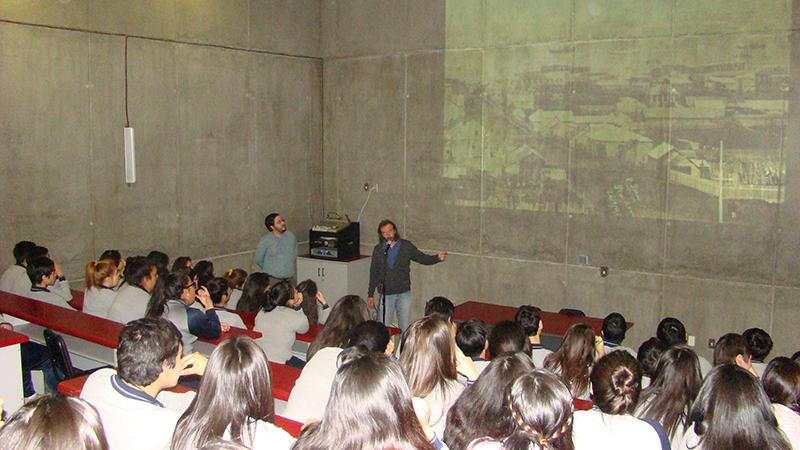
[423, 411]
[59, 272]
[465, 366]
[194, 364]
[7, 326]
[225, 327]
[371, 302]
[309, 421]
[442, 255]
[599, 347]
[321, 298]
[204, 298]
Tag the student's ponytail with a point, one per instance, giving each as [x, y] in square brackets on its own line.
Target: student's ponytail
[97, 271]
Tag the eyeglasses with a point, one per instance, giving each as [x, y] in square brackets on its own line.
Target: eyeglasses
[193, 284]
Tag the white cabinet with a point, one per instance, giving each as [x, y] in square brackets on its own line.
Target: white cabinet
[336, 278]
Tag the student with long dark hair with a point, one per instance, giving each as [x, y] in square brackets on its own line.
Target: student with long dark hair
[317, 311]
[102, 279]
[254, 293]
[430, 365]
[781, 382]
[346, 314]
[220, 294]
[236, 279]
[160, 260]
[172, 299]
[538, 406]
[370, 407]
[507, 337]
[669, 397]
[131, 300]
[280, 318]
[309, 397]
[759, 343]
[616, 379]
[205, 272]
[234, 401]
[54, 422]
[467, 418]
[732, 411]
[573, 359]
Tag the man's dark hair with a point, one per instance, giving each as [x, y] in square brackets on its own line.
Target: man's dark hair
[21, 250]
[217, 287]
[528, 317]
[728, 347]
[441, 306]
[385, 222]
[471, 337]
[137, 268]
[39, 268]
[269, 221]
[671, 332]
[614, 328]
[160, 260]
[37, 252]
[759, 342]
[507, 337]
[143, 348]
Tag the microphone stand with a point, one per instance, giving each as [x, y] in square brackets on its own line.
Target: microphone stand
[382, 301]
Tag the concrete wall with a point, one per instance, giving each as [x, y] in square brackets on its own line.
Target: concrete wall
[387, 107]
[225, 98]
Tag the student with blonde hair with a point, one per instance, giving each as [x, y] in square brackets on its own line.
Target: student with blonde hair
[102, 278]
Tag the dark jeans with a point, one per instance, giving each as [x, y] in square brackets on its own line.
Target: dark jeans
[36, 357]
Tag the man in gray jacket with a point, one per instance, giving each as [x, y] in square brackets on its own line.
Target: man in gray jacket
[390, 273]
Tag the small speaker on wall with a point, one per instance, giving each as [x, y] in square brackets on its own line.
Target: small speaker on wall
[130, 156]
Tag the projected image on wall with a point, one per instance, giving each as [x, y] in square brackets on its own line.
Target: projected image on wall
[615, 127]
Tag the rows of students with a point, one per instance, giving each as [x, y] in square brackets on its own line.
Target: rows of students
[471, 386]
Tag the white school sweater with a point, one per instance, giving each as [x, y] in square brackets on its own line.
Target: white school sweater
[9, 278]
[309, 397]
[595, 430]
[129, 304]
[133, 420]
[48, 295]
[231, 318]
[97, 301]
[266, 436]
[278, 328]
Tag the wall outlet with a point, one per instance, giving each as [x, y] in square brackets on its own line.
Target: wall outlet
[711, 343]
[690, 341]
[370, 187]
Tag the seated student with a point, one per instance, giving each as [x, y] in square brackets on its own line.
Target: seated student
[732, 348]
[669, 398]
[254, 293]
[759, 343]
[135, 407]
[430, 364]
[160, 260]
[309, 397]
[54, 422]
[205, 272]
[732, 411]
[540, 410]
[280, 318]
[649, 353]
[101, 280]
[672, 332]
[442, 306]
[182, 262]
[467, 418]
[316, 312]
[370, 396]
[614, 329]
[22, 285]
[131, 300]
[507, 337]
[236, 279]
[34, 356]
[17, 272]
[234, 401]
[781, 382]
[616, 381]
[574, 358]
[529, 318]
[46, 283]
[349, 312]
[471, 340]
[172, 299]
[220, 295]
[116, 257]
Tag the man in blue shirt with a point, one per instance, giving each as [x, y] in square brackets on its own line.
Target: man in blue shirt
[276, 253]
